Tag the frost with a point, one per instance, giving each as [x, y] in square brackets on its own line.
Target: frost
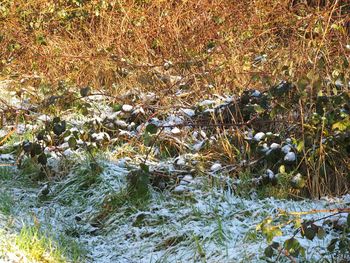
[175, 131]
[180, 161]
[286, 148]
[215, 167]
[256, 93]
[44, 118]
[121, 124]
[206, 103]
[100, 136]
[259, 136]
[180, 189]
[270, 173]
[296, 178]
[189, 112]
[127, 108]
[196, 147]
[290, 157]
[186, 180]
[274, 146]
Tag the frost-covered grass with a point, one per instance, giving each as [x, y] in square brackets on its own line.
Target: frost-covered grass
[91, 211]
[208, 190]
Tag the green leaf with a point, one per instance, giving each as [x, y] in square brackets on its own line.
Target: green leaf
[268, 251]
[341, 125]
[144, 167]
[300, 146]
[42, 159]
[331, 245]
[310, 233]
[292, 245]
[303, 82]
[151, 128]
[72, 142]
[85, 91]
[272, 232]
[117, 107]
[321, 233]
[282, 169]
[36, 149]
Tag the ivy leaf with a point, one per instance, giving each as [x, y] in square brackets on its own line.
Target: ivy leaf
[56, 120]
[40, 135]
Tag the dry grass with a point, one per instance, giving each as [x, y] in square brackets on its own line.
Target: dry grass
[160, 46]
[93, 42]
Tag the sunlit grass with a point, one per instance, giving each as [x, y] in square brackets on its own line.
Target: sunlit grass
[32, 244]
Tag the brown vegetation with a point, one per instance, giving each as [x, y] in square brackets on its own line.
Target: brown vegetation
[96, 42]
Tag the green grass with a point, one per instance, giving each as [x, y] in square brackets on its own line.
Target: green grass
[36, 245]
[6, 203]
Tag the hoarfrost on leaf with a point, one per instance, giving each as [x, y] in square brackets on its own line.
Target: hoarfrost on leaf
[290, 157]
[259, 136]
[216, 167]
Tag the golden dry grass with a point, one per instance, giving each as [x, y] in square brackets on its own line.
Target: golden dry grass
[93, 42]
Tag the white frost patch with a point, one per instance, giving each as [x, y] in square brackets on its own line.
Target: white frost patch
[259, 136]
[221, 222]
[175, 131]
[196, 147]
[206, 103]
[189, 112]
[216, 167]
[275, 146]
[290, 157]
[127, 108]
[286, 148]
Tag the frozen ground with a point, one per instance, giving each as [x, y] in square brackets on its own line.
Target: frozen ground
[196, 221]
[193, 225]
